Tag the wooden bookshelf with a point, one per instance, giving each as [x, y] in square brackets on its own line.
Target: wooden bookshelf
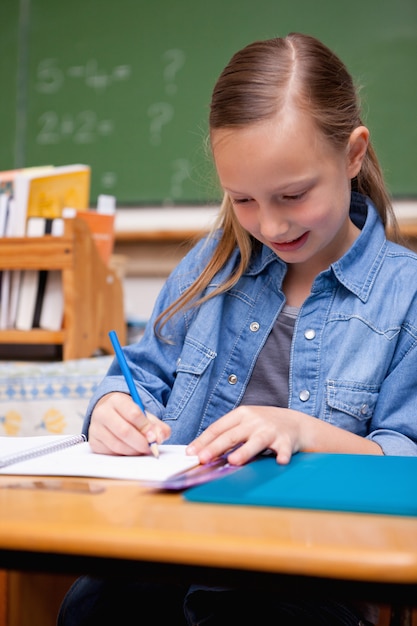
[93, 293]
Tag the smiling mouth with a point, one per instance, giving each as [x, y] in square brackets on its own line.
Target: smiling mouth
[294, 244]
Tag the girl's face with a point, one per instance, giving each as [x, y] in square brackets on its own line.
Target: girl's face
[289, 188]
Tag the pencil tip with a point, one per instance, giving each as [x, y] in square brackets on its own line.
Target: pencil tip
[154, 449]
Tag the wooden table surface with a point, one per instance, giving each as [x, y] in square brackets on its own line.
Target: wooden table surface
[121, 520]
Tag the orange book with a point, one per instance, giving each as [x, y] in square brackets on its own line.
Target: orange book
[101, 226]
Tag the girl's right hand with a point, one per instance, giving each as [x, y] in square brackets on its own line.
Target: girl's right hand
[118, 426]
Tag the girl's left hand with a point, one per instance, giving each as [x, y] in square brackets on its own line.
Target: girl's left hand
[249, 430]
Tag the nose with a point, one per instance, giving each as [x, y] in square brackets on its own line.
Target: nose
[273, 223]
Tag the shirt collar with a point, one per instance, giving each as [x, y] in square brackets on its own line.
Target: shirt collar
[359, 266]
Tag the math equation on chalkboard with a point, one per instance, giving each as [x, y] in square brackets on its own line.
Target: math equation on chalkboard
[134, 127]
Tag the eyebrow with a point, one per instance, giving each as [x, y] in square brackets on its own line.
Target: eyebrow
[290, 187]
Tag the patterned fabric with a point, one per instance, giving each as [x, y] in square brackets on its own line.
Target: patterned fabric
[38, 398]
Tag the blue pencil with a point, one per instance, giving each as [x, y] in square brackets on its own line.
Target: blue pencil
[130, 383]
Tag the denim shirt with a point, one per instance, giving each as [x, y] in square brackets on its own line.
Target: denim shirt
[353, 359]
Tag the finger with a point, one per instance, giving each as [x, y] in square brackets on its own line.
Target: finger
[104, 440]
[212, 432]
[285, 451]
[111, 433]
[147, 424]
[160, 429]
[221, 445]
[117, 424]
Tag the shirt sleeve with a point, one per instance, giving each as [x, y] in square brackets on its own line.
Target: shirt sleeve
[394, 424]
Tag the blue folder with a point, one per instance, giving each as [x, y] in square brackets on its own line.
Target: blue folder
[331, 482]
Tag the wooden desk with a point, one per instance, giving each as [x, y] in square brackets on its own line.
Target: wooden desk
[81, 525]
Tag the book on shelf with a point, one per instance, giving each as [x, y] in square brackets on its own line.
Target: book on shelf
[10, 182]
[16, 223]
[41, 191]
[47, 193]
[31, 281]
[7, 177]
[15, 279]
[42, 275]
[4, 274]
[10, 278]
[6, 180]
[4, 212]
[101, 224]
[41, 298]
[71, 455]
[52, 307]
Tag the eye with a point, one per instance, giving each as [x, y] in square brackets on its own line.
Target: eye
[294, 197]
[241, 200]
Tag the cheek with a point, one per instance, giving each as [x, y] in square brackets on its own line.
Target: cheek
[320, 215]
[246, 218]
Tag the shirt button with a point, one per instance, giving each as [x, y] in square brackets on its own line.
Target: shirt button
[310, 333]
[254, 327]
[304, 395]
[364, 409]
[232, 379]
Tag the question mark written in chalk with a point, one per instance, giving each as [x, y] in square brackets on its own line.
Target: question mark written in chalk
[175, 59]
[181, 173]
[160, 113]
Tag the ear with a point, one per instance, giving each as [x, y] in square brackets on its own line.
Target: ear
[357, 146]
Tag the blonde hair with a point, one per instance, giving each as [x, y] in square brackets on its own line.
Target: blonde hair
[253, 87]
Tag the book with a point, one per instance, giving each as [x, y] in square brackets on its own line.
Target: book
[7, 177]
[101, 224]
[4, 274]
[332, 482]
[12, 279]
[15, 227]
[4, 212]
[29, 283]
[52, 307]
[71, 455]
[15, 279]
[6, 180]
[17, 213]
[45, 193]
[42, 276]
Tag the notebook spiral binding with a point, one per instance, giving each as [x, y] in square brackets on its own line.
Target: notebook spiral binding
[18, 457]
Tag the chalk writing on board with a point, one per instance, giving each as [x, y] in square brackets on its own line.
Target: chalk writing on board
[81, 128]
[51, 76]
[173, 59]
[182, 168]
[160, 114]
[108, 180]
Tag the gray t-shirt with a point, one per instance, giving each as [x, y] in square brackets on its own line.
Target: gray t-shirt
[268, 385]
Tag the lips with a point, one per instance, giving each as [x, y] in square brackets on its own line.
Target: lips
[289, 246]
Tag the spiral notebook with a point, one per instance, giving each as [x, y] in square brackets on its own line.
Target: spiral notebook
[71, 455]
[331, 482]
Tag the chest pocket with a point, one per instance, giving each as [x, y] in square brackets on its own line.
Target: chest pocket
[194, 360]
[350, 405]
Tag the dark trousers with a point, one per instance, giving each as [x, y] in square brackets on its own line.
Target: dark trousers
[95, 602]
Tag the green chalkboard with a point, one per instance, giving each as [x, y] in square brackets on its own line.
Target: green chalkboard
[124, 85]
